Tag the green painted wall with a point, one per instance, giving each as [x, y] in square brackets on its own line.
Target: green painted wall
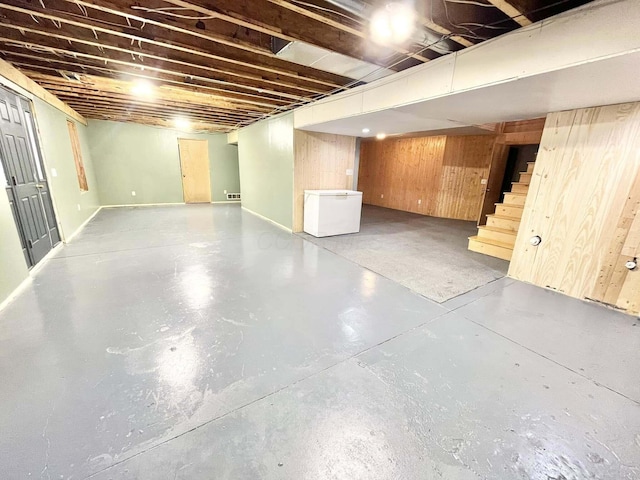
[73, 207]
[13, 268]
[136, 158]
[265, 150]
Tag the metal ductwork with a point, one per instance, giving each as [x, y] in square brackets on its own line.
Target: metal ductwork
[421, 36]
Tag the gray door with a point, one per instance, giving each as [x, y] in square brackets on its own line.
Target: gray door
[27, 187]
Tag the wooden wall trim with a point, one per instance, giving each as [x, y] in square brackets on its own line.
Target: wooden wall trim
[16, 77]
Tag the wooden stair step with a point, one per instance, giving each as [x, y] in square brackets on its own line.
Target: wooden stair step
[517, 187]
[525, 178]
[503, 235]
[490, 247]
[530, 166]
[515, 198]
[504, 223]
[511, 211]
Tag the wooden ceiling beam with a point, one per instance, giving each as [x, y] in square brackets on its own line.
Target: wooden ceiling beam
[430, 24]
[116, 88]
[72, 95]
[51, 37]
[291, 25]
[49, 65]
[134, 109]
[196, 127]
[509, 10]
[96, 27]
[118, 59]
[126, 11]
[331, 23]
[162, 92]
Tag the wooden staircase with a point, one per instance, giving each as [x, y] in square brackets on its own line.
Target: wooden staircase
[498, 236]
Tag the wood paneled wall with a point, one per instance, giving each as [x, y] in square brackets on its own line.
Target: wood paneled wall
[321, 162]
[438, 176]
[583, 202]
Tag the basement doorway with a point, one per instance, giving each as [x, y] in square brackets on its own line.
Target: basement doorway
[23, 174]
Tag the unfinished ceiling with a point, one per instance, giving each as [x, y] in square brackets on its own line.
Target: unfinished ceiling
[224, 64]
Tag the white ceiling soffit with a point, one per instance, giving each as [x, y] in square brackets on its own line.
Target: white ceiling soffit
[570, 61]
[606, 82]
[328, 61]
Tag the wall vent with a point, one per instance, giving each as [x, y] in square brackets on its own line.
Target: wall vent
[233, 196]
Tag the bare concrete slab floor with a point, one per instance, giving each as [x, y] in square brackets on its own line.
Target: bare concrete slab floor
[426, 254]
[200, 342]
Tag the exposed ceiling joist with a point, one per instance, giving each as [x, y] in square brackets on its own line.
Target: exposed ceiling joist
[119, 59]
[217, 61]
[122, 49]
[38, 63]
[511, 11]
[332, 23]
[95, 28]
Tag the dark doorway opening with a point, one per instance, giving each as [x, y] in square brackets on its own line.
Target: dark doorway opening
[519, 156]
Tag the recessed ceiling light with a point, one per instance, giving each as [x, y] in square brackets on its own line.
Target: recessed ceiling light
[181, 123]
[381, 136]
[142, 88]
[365, 130]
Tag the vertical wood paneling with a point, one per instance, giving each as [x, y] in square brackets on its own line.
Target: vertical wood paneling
[321, 161]
[583, 201]
[443, 173]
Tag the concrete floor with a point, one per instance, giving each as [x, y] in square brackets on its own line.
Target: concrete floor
[200, 342]
[429, 255]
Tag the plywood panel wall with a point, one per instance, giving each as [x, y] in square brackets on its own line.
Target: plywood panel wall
[438, 176]
[321, 162]
[583, 203]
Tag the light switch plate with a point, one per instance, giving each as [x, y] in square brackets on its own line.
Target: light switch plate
[349, 171]
[54, 172]
[483, 181]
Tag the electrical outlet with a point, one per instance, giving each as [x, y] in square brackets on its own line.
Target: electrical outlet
[483, 181]
[382, 195]
[54, 172]
[133, 193]
[225, 192]
[349, 172]
[420, 201]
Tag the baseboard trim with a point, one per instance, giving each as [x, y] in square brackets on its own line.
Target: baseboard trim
[79, 229]
[142, 205]
[267, 219]
[227, 201]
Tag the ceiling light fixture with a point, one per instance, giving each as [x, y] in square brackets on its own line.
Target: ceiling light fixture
[393, 23]
[142, 88]
[365, 130]
[182, 123]
[381, 136]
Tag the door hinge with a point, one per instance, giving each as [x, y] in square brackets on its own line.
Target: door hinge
[30, 243]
